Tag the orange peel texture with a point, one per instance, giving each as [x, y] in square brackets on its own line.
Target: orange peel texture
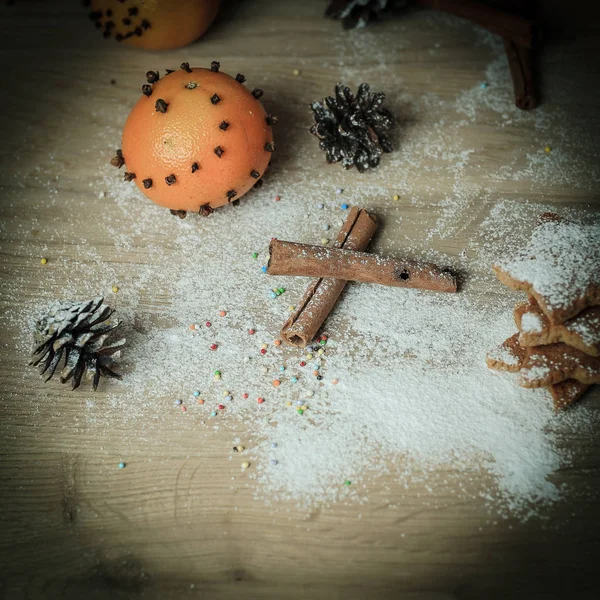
[197, 139]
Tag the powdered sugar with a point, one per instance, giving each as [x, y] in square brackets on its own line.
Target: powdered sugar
[531, 323]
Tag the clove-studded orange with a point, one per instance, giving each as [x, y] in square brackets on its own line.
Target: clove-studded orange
[153, 24]
[197, 139]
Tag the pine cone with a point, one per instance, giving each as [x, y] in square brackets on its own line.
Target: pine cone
[353, 129]
[358, 13]
[76, 332]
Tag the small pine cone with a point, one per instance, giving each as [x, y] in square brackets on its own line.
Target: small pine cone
[359, 13]
[76, 333]
[353, 129]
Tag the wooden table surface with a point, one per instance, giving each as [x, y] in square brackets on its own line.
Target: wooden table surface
[71, 526]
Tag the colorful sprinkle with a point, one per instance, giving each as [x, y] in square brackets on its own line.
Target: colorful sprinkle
[260, 400]
[221, 406]
[213, 414]
[294, 380]
[200, 401]
[395, 197]
[320, 351]
[217, 372]
[214, 346]
[44, 261]
[178, 402]
[255, 255]
[238, 448]
[273, 294]
[324, 241]
[264, 268]
[335, 381]
[320, 205]
[196, 393]
[277, 342]
[217, 377]
[291, 308]
[288, 403]
[276, 383]
[484, 85]
[245, 464]
[222, 313]
[282, 368]
[347, 482]
[264, 346]
[281, 290]
[121, 465]
[273, 444]
[300, 411]
[228, 398]
[115, 289]
[304, 407]
[208, 324]
[325, 227]
[315, 372]
[277, 198]
[548, 149]
[296, 72]
[251, 331]
[339, 191]
[319, 377]
[245, 396]
[183, 409]
[273, 461]
[302, 363]
[309, 356]
[344, 206]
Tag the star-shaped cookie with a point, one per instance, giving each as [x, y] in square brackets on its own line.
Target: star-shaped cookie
[559, 267]
[581, 332]
[510, 356]
[547, 366]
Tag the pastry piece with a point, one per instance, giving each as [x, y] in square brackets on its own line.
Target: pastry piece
[567, 392]
[581, 332]
[510, 356]
[559, 267]
[546, 365]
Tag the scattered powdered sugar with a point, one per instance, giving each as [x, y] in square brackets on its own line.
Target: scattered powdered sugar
[587, 326]
[505, 356]
[414, 401]
[531, 323]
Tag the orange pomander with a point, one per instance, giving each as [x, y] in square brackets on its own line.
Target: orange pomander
[196, 140]
[154, 24]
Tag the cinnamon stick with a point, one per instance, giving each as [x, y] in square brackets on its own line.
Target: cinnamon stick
[507, 25]
[520, 61]
[289, 258]
[321, 295]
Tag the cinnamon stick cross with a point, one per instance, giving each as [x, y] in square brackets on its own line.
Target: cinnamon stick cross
[334, 267]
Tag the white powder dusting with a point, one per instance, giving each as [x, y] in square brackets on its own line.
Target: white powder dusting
[561, 262]
[587, 326]
[414, 395]
[531, 323]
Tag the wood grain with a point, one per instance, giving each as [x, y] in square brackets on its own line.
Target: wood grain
[174, 524]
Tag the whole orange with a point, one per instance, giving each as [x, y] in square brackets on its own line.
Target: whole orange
[154, 24]
[197, 139]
